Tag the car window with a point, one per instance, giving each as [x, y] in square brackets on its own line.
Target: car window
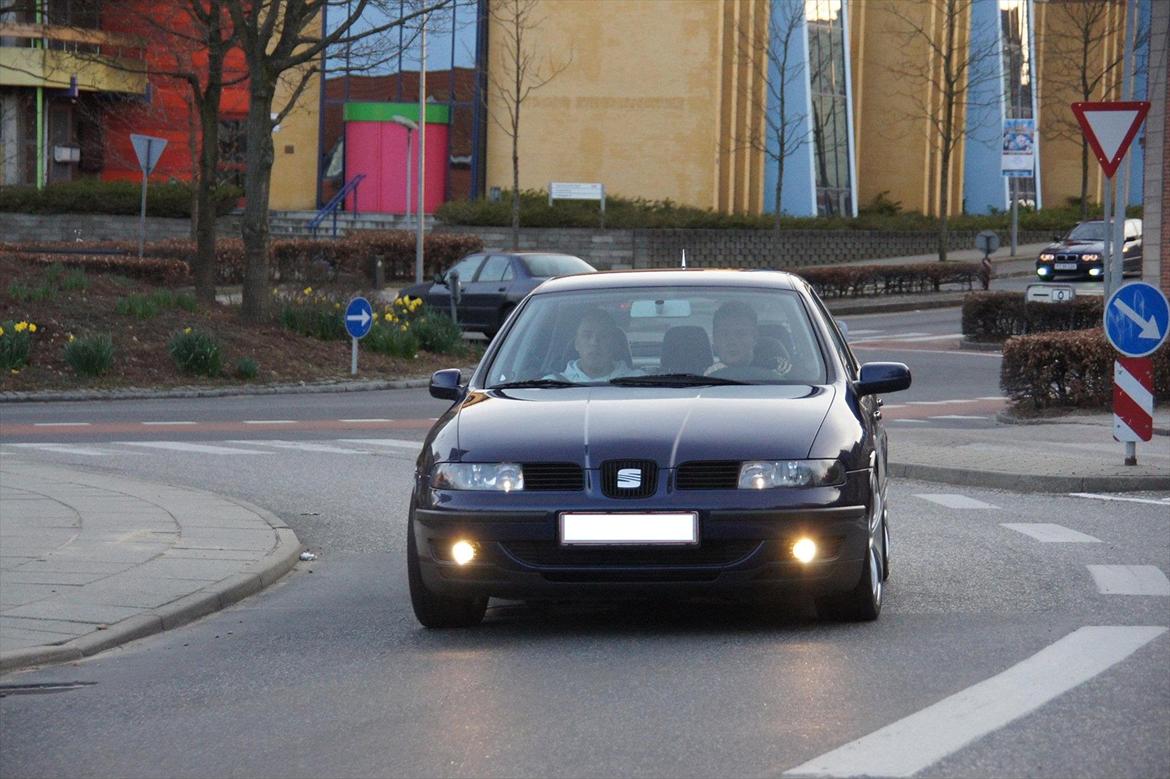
[750, 335]
[547, 265]
[1088, 231]
[1133, 228]
[495, 268]
[839, 342]
[466, 267]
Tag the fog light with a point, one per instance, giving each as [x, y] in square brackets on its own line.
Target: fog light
[1094, 271]
[804, 550]
[462, 552]
[1043, 271]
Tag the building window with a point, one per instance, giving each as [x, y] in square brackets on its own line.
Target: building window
[1015, 35]
[830, 119]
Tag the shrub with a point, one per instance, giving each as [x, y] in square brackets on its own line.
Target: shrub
[15, 344]
[195, 352]
[396, 340]
[855, 280]
[29, 293]
[247, 368]
[90, 355]
[1073, 369]
[91, 196]
[314, 315]
[997, 315]
[158, 271]
[438, 334]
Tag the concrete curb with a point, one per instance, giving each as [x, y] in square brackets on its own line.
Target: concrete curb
[980, 346]
[846, 307]
[214, 597]
[1027, 482]
[1007, 418]
[132, 393]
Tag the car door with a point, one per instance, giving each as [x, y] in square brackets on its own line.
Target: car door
[1132, 248]
[439, 295]
[483, 298]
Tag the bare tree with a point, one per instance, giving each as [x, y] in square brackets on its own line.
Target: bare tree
[776, 55]
[1080, 66]
[282, 39]
[940, 86]
[519, 72]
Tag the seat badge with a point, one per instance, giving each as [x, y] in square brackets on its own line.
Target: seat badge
[629, 478]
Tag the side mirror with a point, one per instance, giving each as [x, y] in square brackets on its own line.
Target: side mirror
[456, 288]
[878, 378]
[445, 384]
[1055, 238]
[439, 279]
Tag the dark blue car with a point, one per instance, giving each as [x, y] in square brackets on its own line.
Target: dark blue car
[652, 432]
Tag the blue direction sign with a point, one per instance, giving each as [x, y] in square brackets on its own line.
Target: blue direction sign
[359, 317]
[1137, 317]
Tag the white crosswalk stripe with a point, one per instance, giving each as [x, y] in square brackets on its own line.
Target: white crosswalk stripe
[1050, 533]
[83, 451]
[912, 337]
[1130, 580]
[954, 501]
[301, 446]
[184, 446]
[395, 443]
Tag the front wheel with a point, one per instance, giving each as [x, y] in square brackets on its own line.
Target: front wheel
[432, 609]
[864, 602]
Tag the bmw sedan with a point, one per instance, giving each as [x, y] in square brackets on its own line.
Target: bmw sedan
[1079, 253]
[488, 285]
[656, 433]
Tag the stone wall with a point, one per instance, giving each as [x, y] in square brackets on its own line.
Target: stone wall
[31, 228]
[727, 248]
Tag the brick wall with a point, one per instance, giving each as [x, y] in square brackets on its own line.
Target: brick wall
[30, 228]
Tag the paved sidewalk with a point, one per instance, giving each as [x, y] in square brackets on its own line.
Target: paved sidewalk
[89, 561]
[1075, 453]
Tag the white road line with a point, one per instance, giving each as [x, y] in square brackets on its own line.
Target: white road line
[911, 421]
[853, 332]
[270, 421]
[301, 446]
[1095, 496]
[167, 424]
[62, 424]
[371, 419]
[943, 337]
[1130, 580]
[913, 743]
[991, 397]
[84, 451]
[953, 501]
[394, 442]
[938, 402]
[957, 416]
[182, 446]
[889, 337]
[1050, 533]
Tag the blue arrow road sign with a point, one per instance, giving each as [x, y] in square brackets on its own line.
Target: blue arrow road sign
[1137, 317]
[359, 317]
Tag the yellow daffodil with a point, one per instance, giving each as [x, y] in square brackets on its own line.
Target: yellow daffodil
[21, 327]
[186, 331]
[1, 331]
[307, 291]
[32, 328]
[71, 338]
[336, 306]
[403, 328]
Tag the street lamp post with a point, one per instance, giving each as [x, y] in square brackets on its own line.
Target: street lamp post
[410, 126]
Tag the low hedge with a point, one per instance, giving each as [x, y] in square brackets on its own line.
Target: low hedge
[857, 280]
[1073, 369]
[993, 316]
[91, 196]
[152, 269]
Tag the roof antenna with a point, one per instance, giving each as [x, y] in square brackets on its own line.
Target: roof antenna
[684, 258]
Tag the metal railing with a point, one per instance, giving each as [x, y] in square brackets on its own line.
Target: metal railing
[331, 208]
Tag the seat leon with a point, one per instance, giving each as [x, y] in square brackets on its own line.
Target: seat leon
[657, 433]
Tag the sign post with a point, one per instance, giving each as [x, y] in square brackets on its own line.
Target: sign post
[148, 149]
[1018, 161]
[987, 242]
[1137, 318]
[359, 318]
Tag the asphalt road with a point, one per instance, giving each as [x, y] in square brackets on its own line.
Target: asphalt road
[997, 654]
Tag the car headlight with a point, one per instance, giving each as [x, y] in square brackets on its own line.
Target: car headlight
[1090, 257]
[769, 474]
[501, 477]
[1046, 257]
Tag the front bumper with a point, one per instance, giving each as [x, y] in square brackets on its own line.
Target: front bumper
[519, 555]
[1078, 268]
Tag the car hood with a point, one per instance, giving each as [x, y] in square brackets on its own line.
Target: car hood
[589, 425]
[1078, 247]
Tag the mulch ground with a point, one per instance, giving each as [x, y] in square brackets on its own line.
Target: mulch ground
[141, 358]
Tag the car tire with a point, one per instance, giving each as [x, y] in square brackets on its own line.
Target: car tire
[864, 602]
[431, 609]
[885, 548]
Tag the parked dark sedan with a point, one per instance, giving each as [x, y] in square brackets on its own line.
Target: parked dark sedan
[1080, 252]
[642, 432]
[492, 283]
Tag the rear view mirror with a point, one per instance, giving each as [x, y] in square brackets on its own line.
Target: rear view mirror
[878, 378]
[650, 309]
[445, 384]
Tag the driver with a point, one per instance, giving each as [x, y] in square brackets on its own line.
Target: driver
[735, 340]
[599, 356]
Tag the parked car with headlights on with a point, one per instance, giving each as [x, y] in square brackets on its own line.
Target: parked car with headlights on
[1079, 253]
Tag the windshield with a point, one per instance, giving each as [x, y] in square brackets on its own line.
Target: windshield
[547, 265]
[1088, 231]
[668, 336]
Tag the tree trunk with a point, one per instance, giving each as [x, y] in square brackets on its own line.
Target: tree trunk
[944, 205]
[779, 190]
[1084, 179]
[205, 223]
[516, 180]
[257, 187]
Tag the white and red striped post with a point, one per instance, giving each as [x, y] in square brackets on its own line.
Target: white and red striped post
[1133, 403]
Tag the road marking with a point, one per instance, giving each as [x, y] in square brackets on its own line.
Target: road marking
[992, 397]
[84, 451]
[939, 402]
[1130, 580]
[911, 421]
[953, 501]
[957, 416]
[371, 419]
[168, 424]
[62, 424]
[1095, 496]
[889, 337]
[944, 337]
[394, 442]
[864, 332]
[302, 446]
[270, 421]
[1050, 533]
[182, 446]
[909, 745]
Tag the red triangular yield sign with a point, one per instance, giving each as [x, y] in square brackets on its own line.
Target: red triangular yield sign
[1110, 128]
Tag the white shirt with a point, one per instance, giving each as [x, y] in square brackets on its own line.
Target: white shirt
[573, 373]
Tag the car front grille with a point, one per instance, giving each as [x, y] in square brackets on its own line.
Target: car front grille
[552, 554]
[565, 477]
[708, 475]
[615, 484]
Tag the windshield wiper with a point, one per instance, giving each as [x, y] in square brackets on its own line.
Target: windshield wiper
[533, 384]
[673, 380]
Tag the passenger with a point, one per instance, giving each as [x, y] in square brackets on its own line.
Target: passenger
[600, 351]
[735, 341]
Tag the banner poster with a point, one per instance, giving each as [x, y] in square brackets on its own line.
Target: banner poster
[1019, 144]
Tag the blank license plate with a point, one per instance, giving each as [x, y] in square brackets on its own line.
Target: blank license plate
[1066, 266]
[680, 528]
